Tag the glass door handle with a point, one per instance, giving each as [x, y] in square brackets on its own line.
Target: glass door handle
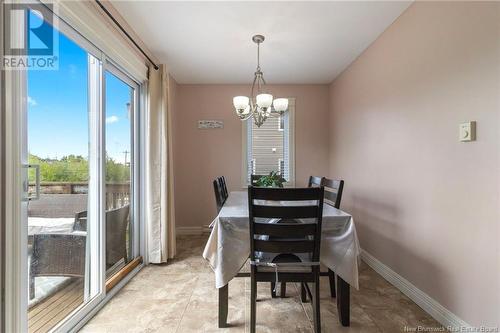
[29, 197]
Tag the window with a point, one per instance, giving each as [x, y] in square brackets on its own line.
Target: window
[270, 147]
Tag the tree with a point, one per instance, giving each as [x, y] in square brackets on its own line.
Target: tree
[75, 168]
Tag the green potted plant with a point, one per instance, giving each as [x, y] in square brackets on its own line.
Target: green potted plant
[274, 179]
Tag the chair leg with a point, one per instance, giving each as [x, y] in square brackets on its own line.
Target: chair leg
[273, 292]
[316, 306]
[331, 277]
[283, 290]
[253, 303]
[303, 295]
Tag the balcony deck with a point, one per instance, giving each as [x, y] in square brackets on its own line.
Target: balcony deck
[47, 313]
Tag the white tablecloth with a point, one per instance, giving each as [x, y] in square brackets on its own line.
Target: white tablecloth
[40, 225]
[228, 246]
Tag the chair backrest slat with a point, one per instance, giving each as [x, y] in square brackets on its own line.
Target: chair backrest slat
[266, 204]
[285, 246]
[286, 230]
[315, 181]
[289, 212]
[288, 194]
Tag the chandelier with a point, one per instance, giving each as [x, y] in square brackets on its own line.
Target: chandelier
[260, 105]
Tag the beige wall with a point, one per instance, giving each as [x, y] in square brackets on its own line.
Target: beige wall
[425, 204]
[202, 155]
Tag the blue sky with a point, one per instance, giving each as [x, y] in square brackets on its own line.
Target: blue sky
[58, 122]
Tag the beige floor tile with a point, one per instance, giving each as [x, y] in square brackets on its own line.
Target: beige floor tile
[181, 297]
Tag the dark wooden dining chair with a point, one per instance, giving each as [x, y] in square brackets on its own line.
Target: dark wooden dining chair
[314, 181]
[219, 200]
[223, 188]
[291, 259]
[333, 191]
[333, 196]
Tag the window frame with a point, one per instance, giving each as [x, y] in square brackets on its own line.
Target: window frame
[280, 161]
[291, 148]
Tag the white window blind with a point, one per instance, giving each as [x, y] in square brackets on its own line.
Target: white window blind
[270, 147]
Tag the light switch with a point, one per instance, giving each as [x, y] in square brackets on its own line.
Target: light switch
[468, 131]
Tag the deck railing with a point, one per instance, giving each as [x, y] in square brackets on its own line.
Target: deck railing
[117, 194]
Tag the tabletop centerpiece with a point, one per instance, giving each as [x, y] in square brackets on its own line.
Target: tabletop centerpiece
[274, 179]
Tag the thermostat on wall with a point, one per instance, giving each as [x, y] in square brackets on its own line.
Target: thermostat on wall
[468, 131]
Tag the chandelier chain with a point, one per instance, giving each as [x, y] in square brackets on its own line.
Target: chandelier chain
[258, 57]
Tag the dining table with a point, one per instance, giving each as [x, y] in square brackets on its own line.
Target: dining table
[228, 249]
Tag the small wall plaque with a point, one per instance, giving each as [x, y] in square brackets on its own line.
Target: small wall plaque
[210, 124]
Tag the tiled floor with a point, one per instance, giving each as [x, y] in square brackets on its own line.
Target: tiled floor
[181, 297]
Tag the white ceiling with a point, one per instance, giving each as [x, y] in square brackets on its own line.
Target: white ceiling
[306, 42]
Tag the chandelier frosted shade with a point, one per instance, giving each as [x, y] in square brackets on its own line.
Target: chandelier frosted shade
[240, 102]
[264, 101]
[280, 104]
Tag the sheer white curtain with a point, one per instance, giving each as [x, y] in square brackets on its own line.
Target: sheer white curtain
[160, 222]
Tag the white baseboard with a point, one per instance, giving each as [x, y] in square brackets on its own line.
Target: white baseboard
[444, 316]
[191, 231]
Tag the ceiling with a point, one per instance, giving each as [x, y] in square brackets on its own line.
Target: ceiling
[306, 42]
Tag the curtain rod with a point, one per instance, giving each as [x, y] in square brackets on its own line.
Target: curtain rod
[126, 33]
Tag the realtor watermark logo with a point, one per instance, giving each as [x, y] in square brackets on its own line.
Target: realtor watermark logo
[31, 38]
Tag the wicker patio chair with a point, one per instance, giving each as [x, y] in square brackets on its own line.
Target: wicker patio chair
[117, 223]
[57, 255]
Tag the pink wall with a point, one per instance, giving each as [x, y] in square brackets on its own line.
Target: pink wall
[202, 155]
[424, 203]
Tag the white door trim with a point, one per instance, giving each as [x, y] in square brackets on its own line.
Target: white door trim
[16, 238]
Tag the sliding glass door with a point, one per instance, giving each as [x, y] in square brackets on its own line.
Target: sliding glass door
[121, 232]
[60, 133]
[75, 222]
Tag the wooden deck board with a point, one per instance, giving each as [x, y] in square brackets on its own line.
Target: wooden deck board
[45, 315]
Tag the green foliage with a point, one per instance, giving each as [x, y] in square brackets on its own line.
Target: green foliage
[75, 169]
[274, 179]
[116, 172]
